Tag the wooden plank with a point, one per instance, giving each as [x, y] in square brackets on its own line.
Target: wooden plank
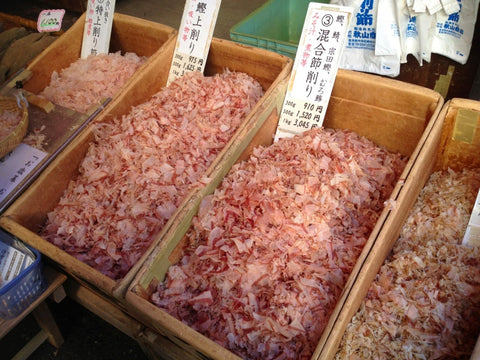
[406, 129]
[15, 20]
[160, 347]
[103, 308]
[383, 93]
[58, 295]
[31, 346]
[47, 323]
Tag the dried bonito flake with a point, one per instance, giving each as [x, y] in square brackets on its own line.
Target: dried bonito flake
[425, 300]
[270, 251]
[85, 82]
[9, 121]
[142, 165]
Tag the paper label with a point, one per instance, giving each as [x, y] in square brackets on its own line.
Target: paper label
[50, 20]
[98, 27]
[314, 69]
[12, 263]
[465, 127]
[443, 82]
[16, 166]
[472, 234]
[194, 37]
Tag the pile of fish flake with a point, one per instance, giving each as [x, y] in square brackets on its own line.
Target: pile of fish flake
[269, 252]
[425, 300]
[142, 165]
[87, 81]
[9, 121]
[36, 138]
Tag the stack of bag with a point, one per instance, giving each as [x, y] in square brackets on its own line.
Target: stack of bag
[383, 33]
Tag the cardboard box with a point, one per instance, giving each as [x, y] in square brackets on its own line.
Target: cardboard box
[26, 216]
[441, 150]
[396, 115]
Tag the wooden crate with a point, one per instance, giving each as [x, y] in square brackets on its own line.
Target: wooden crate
[396, 115]
[440, 151]
[26, 216]
[129, 34]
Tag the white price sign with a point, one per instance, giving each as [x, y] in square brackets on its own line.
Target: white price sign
[98, 27]
[315, 68]
[194, 37]
[16, 166]
[472, 234]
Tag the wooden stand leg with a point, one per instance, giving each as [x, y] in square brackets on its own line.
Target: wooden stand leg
[45, 320]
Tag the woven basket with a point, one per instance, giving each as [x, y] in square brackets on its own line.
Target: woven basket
[16, 136]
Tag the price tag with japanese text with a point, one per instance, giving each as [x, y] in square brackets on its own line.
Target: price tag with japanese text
[16, 166]
[50, 20]
[98, 27]
[314, 69]
[472, 234]
[194, 37]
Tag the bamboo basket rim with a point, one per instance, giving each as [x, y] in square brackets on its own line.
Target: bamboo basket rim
[9, 142]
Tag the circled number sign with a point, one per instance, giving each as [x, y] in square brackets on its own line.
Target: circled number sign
[327, 20]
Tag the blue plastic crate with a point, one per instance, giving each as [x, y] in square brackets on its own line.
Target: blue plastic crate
[26, 287]
[277, 25]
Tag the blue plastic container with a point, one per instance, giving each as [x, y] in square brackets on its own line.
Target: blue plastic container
[277, 25]
[25, 288]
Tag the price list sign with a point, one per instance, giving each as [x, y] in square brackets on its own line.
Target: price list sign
[314, 69]
[98, 27]
[194, 37]
[16, 166]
